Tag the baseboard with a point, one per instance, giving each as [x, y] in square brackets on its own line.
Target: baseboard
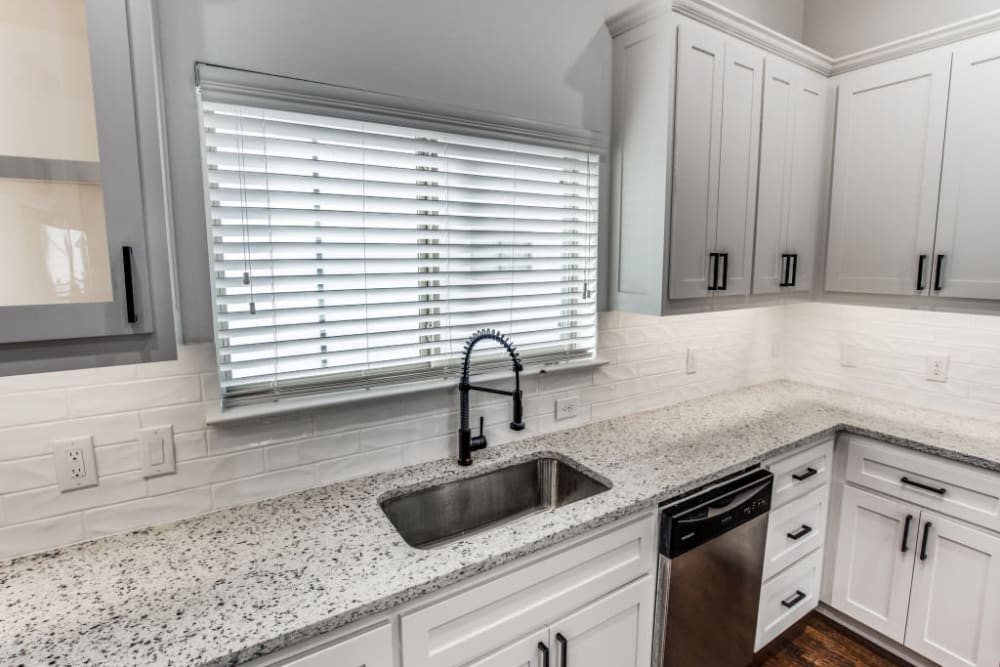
[883, 642]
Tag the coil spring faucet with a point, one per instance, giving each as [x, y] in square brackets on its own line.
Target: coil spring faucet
[466, 442]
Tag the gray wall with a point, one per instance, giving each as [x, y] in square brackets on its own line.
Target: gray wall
[839, 27]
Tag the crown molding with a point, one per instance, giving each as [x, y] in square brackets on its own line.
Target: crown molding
[732, 23]
[924, 41]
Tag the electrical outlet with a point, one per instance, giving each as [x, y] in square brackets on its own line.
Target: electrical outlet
[156, 448]
[691, 362]
[937, 368]
[850, 355]
[76, 467]
[567, 408]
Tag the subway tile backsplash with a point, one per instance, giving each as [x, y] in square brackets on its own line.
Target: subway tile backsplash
[647, 356]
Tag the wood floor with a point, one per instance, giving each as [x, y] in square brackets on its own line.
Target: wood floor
[817, 641]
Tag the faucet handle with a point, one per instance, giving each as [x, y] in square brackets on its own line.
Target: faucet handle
[478, 441]
[481, 420]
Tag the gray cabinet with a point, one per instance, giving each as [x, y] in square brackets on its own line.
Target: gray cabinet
[887, 168]
[795, 157]
[717, 109]
[967, 246]
[82, 194]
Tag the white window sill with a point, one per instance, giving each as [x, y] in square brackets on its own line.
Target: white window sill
[217, 416]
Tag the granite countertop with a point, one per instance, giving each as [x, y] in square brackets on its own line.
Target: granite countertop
[222, 588]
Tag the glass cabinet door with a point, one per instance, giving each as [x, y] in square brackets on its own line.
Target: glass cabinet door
[72, 250]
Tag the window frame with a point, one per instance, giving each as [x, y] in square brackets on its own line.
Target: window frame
[242, 87]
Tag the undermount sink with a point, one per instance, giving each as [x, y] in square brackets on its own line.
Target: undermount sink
[444, 513]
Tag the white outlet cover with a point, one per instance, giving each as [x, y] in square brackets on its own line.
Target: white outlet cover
[156, 449]
[567, 408]
[76, 465]
[691, 362]
[937, 368]
[850, 355]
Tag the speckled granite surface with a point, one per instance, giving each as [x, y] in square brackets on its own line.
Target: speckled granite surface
[225, 587]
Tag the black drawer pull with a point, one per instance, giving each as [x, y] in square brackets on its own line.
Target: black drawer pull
[940, 490]
[127, 261]
[805, 475]
[788, 603]
[713, 283]
[800, 533]
[938, 277]
[544, 650]
[563, 649]
[725, 271]
[923, 544]
[920, 272]
[906, 534]
[790, 269]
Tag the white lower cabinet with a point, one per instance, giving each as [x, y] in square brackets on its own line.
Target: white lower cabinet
[919, 578]
[788, 597]
[369, 648]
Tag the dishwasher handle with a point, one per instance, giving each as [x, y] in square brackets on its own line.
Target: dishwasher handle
[723, 505]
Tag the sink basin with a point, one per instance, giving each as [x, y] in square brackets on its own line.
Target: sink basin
[444, 513]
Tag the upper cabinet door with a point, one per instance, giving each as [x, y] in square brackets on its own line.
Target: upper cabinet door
[794, 176]
[955, 602]
[968, 237]
[890, 134]
[743, 82]
[697, 129]
[73, 262]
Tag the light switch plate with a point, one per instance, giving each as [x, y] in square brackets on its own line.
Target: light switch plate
[567, 408]
[76, 466]
[156, 448]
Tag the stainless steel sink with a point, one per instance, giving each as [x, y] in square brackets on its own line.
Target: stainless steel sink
[444, 513]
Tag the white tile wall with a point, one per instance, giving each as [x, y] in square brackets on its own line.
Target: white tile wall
[893, 346]
[220, 467]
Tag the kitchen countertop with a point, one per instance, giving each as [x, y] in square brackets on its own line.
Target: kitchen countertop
[222, 588]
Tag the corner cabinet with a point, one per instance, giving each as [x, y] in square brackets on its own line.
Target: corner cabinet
[795, 159]
[82, 194]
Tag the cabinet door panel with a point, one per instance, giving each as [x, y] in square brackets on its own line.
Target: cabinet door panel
[890, 133]
[739, 156]
[372, 648]
[968, 233]
[777, 128]
[615, 630]
[871, 579]
[522, 653]
[955, 600]
[697, 126]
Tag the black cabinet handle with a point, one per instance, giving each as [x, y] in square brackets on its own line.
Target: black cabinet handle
[933, 489]
[725, 271]
[920, 272]
[800, 533]
[790, 270]
[923, 543]
[563, 649]
[938, 280]
[713, 260]
[906, 534]
[127, 262]
[544, 650]
[805, 475]
[790, 602]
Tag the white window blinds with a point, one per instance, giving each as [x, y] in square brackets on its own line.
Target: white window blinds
[348, 252]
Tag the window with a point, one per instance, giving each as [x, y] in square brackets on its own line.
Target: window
[351, 252]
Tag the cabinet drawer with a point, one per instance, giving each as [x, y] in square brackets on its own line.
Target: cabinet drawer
[801, 473]
[372, 648]
[788, 597]
[795, 529]
[946, 486]
[490, 615]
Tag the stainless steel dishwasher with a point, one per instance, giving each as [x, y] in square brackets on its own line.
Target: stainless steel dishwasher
[711, 564]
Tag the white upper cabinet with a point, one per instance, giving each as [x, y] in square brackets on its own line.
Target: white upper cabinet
[967, 252]
[716, 134]
[890, 134]
[795, 152]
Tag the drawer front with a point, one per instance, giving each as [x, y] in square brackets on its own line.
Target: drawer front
[949, 487]
[490, 615]
[788, 597]
[801, 473]
[796, 529]
[372, 648]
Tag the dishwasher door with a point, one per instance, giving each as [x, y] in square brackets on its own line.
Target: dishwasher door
[712, 593]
